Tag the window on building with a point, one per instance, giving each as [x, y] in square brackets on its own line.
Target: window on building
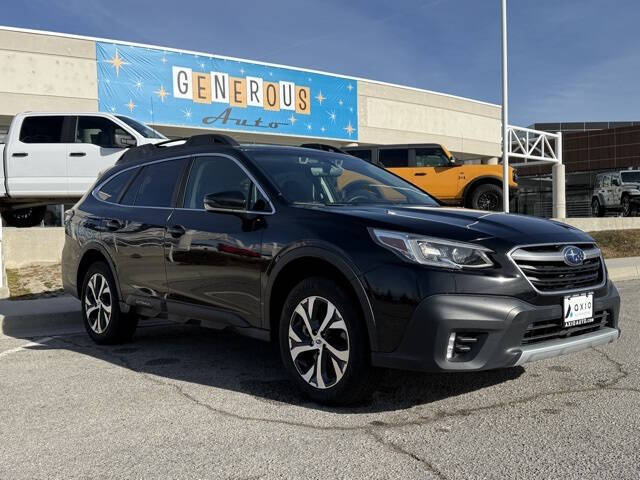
[44, 129]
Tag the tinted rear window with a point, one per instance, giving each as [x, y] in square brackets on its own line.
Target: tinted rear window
[155, 184]
[110, 191]
[45, 129]
[394, 157]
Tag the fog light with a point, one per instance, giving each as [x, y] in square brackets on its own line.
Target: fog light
[452, 341]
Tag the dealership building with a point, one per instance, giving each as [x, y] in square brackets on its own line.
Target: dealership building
[182, 93]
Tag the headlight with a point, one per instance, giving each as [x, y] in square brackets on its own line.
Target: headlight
[434, 251]
[634, 192]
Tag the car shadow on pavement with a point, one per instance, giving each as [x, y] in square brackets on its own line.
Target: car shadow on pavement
[228, 361]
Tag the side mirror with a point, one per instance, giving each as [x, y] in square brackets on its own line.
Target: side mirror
[232, 201]
[124, 140]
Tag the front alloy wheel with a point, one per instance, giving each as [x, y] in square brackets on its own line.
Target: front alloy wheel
[318, 342]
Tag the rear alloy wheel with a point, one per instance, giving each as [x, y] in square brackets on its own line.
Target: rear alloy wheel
[487, 197]
[596, 208]
[104, 321]
[324, 343]
[626, 206]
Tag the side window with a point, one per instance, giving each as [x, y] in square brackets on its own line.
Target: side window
[394, 157]
[155, 184]
[98, 131]
[215, 175]
[45, 129]
[364, 154]
[110, 191]
[431, 157]
[607, 181]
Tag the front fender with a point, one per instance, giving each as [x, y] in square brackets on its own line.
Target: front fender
[330, 254]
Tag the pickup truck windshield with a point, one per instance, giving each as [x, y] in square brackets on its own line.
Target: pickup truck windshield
[142, 129]
[335, 179]
[631, 177]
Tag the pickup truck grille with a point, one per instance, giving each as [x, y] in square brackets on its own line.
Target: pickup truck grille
[544, 267]
[546, 330]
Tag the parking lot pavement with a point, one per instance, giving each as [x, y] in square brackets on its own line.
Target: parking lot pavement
[184, 402]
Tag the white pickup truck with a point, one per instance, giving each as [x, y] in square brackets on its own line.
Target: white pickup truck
[52, 158]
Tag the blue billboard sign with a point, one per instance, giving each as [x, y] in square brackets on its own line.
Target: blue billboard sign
[184, 89]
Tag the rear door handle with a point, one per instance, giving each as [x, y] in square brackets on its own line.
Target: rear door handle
[113, 224]
[420, 174]
[176, 231]
[20, 154]
[77, 154]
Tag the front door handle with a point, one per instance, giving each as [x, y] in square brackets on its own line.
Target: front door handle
[20, 154]
[176, 231]
[77, 154]
[420, 174]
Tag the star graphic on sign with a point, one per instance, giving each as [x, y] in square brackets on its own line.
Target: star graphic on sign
[322, 129]
[187, 113]
[164, 58]
[112, 108]
[320, 98]
[340, 102]
[271, 74]
[309, 126]
[350, 87]
[161, 92]
[332, 116]
[202, 65]
[139, 85]
[351, 109]
[130, 105]
[242, 71]
[117, 62]
[349, 129]
[292, 119]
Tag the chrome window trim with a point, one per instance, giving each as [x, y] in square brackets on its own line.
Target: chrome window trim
[560, 292]
[97, 188]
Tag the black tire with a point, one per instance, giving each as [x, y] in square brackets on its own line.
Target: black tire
[24, 217]
[118, 327]
[487, 197]
[357, 379]
[625, 203]
[596, 209]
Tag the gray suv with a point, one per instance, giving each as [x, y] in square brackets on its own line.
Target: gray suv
[616, 191]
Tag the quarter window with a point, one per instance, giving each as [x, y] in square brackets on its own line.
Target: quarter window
[216, 175]
[155, 184]
[394, 157]
[45, 129]
[111, 190]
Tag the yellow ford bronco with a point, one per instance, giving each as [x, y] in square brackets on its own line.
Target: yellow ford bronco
[433, 169]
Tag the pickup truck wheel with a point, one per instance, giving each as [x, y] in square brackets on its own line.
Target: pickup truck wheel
[487, 197]
[626, 206]
[104, 321]
[24, 217]
[324, 343]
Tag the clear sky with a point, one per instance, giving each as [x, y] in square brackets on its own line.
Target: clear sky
[569, 60]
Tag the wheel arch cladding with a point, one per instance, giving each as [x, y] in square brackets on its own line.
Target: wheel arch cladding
[92, 255]
[313, 263]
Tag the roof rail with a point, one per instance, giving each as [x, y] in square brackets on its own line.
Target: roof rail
[209, 139]
[325, 147]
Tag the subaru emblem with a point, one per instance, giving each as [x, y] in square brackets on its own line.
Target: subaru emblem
[573, 256]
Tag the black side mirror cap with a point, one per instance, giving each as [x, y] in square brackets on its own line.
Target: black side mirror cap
[232, 201]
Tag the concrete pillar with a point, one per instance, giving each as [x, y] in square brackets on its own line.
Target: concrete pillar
[559, 192]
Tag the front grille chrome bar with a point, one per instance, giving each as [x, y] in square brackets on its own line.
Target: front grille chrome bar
[522, 255]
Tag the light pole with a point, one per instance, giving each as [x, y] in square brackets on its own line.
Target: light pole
[505, 112]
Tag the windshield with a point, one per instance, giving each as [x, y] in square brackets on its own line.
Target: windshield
[141, 128]
[631, 177]
[334, 179]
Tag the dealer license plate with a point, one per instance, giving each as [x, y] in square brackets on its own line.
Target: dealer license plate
[578, 310]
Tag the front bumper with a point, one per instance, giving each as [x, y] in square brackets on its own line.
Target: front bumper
[498, 323]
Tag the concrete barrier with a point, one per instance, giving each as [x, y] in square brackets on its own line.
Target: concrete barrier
[602, 223]
[24, 246]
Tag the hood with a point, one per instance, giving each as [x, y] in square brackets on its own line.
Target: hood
[465, 225]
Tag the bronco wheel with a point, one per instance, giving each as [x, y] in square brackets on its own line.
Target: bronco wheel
[324, 345]
[487, 197]
[104, 321]
[626, 206]
[596, 208]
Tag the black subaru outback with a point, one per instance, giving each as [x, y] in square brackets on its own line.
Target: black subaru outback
[345, 265]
